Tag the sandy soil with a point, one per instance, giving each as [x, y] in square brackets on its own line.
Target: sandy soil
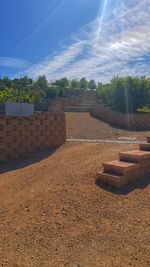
[52, 213]
[83, 126]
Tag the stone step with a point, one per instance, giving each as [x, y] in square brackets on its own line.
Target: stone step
[131, 166]
[145, 146]
[117, 180]
[112, 179]
[87, 102]
[148, 139]
[124, 168]
[136, 156]
[83, 104]
[77, 109]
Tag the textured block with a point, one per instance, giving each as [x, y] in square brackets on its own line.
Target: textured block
[114, 180]
[20, 136]
[132, 165]
[136, 156]
[120, 167]
[148, 139]
[145, 146]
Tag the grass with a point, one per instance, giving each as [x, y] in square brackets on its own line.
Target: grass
[144, 110]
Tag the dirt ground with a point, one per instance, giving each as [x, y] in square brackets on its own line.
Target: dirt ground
[54, 213]
[84, 126]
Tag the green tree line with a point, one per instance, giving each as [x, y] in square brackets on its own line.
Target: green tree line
[27, 90]
[126, 94]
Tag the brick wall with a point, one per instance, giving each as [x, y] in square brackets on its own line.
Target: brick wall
[23, 135]
[131, 121]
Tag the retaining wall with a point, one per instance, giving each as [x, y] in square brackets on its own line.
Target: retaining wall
[23, 135]
[138, 122]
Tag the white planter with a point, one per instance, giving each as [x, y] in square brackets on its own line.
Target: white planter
[19, 109]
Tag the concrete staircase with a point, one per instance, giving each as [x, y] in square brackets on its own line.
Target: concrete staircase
[84, 106]
[130, 166]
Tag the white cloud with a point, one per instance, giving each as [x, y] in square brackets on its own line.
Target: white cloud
[13, 62]
[102, 53]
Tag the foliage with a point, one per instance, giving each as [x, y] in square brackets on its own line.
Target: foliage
[41, 83]
[23, 82]
[15, 95]
[61, 92]
[62, 83]
[83, 83]
[52, 91]
[75, 84]
[38, 92]
[92, 85]
[145, 110]
[125, 94]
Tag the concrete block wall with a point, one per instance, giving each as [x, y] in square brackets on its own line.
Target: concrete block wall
[19, 109]
[23, 135]
[131, 121]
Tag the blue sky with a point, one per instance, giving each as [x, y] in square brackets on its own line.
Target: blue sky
[74, 38]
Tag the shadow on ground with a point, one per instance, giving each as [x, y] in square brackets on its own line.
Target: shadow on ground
[27, 160]
[139, 184]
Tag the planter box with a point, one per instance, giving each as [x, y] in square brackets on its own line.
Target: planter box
[19, 109]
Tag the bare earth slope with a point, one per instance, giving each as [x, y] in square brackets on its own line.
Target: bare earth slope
[84, 126]
[53, 214]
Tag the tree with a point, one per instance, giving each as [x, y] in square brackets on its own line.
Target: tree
[16, 83]
[61, 92]
[7, 82]
[92, 85]
[25, 81]
[62, 83]
[75, 84]
[125, 94]
[41, 82]
[38, 92]
[52, 91]
[2, 84]
[83, 83]
[119, 94]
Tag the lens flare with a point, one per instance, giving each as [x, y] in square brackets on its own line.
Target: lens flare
[101, 16]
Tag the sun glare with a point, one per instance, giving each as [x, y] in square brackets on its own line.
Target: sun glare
[101, 16]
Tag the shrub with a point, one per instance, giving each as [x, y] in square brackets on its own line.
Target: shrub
[15, 95]
[125, 94]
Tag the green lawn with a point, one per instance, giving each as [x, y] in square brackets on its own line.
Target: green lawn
[144, 110]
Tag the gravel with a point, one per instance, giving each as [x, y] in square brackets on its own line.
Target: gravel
[53, 213]
[84, 126]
